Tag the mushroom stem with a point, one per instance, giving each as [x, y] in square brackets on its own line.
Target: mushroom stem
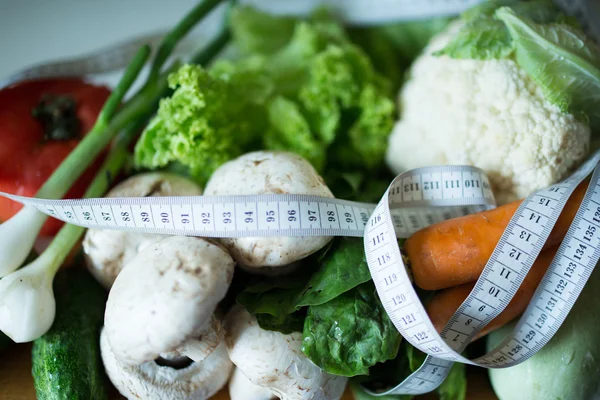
[197, 350]
[202, 347]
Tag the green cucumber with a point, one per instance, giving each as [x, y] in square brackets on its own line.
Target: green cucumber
[66, 360]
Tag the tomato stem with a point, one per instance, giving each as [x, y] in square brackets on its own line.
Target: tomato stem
[58, 116]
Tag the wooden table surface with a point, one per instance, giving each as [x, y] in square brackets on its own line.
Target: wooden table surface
[16, 382]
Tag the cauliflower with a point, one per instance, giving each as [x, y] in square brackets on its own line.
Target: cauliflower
[486, 113]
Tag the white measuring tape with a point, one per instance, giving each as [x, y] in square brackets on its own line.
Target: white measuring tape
[512, 258]
[415, 199]
[277, 215]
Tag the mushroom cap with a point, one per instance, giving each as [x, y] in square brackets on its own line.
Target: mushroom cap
[150, 381]
[269, 172]
[275, 361]
[240, 388]
[166, 296]
[107, 251]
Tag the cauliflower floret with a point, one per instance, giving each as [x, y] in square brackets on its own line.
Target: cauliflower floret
[486, 113]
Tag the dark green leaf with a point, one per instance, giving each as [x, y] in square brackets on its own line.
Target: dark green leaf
[343, 268]
[291, 323]
[359, 394]
[410, 38]
[455, 385]
[4, 341]
[344, 185]
[272, 298]
[384, 376]
[351, 333]
[340, 265]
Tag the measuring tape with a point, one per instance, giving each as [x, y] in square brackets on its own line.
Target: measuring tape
[512, 258]
[278, 215]
[414, 200]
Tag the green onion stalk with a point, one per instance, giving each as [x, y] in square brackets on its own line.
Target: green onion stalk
[18, 234]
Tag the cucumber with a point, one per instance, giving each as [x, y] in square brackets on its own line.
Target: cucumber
[66, 362]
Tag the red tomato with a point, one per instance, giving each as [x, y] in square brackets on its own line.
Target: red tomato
[27, 156]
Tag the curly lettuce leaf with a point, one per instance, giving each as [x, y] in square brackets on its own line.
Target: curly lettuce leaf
[205, 122]
[561, 60]
[351, 333]
[314, 93]
[289, 130]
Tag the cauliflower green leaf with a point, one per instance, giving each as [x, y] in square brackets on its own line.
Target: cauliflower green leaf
[483, 37]
[561, 60]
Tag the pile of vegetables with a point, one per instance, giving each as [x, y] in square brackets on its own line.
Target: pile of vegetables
[299, 106]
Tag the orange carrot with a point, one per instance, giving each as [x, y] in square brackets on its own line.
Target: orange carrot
[454, 252]
[446, 302]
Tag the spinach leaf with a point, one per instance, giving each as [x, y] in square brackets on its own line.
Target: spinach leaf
[291, 323]
[351, 333]
[274, 297]
[562, 60]
[455, 385]
[343, 268]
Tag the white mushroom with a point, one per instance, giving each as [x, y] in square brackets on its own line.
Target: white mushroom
[267, 172]
[153, 381]
[165, 299]
[275, 361]
[240, 388]
[107, 251]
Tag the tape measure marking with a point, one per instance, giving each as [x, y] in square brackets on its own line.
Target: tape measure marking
[274, 215]
[507, 267]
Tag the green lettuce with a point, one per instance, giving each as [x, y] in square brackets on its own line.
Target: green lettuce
[206, 121]
[307, 89]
